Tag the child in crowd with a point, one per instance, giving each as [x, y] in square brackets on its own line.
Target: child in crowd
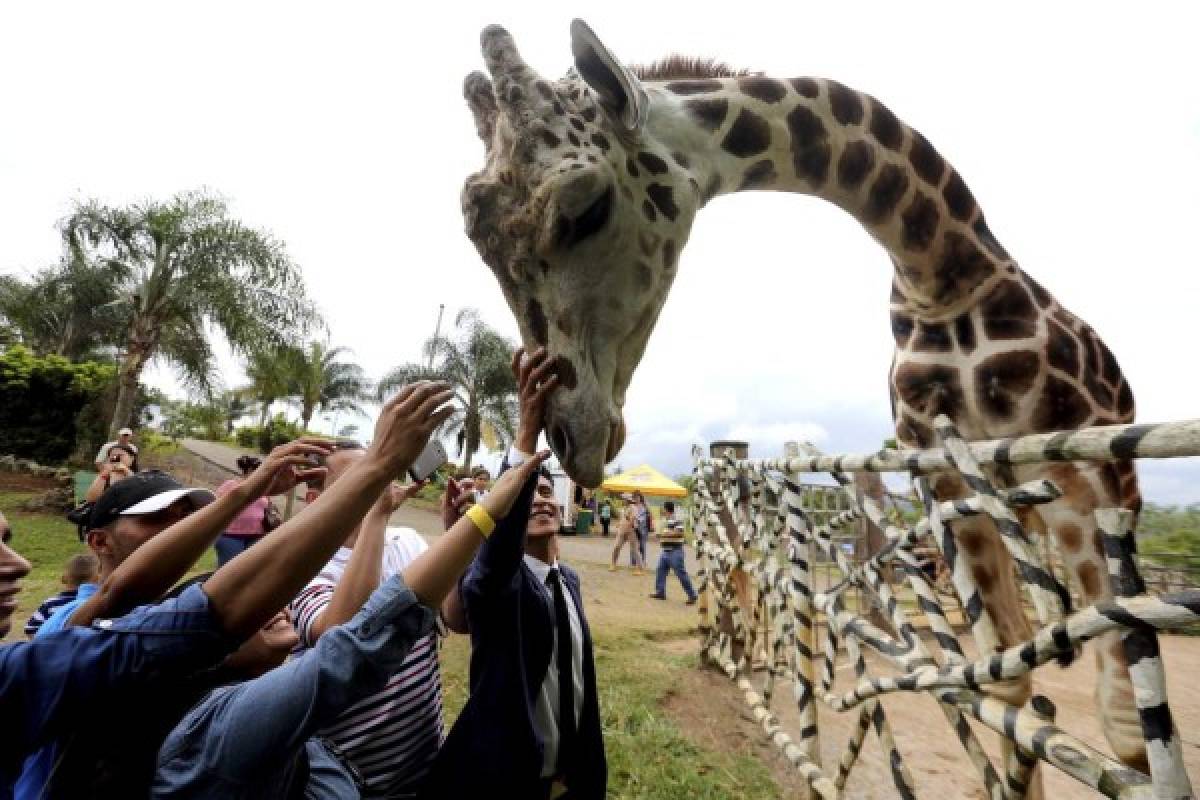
[80, 569]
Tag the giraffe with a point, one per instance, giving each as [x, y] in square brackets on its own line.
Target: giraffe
[587, 197]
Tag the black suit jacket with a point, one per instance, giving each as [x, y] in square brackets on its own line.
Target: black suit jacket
[493, 750]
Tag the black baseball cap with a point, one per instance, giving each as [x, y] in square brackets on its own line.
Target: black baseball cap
[143, 493]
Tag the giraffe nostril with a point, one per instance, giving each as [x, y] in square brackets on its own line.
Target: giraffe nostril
[560, 441]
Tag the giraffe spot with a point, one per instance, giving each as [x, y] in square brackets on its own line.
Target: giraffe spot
[709, 113]
[958, 197]
[589, 113]
[885, 193]
[972, 542]
[845, 103]
[805, 87]
[570, 154]
[648, 210]
[591, 159]
[885, 127]
[925, 160]
[535, 317]
[760, 174]
[988, 240]
[1089, 580]
[749, 135]
[1003, 379]
[558, 109]
[1092, 355]
[948, 487]
[1111, 371]
[920, 222]
[964, 332]
[1061, 407]
[565, 370]
[767, 90]
[929, 389]
[550, 139]
[668, 254]
[573, 139]
[962, 268]
[681, 160]
[653, 164]
[1125, 401]
[663, 199]
[1008, 312]
[644, 275]
[1070, 537]
[711, 189]
[1100, 393]
[544, 90]
[1110, 481]
[1117, 653]
[983, 577]
[648, 242]
[600, 140]
[1040, 295]
[902, 328]
[1062, 351]
[563, 323]
[631, 168]
[694, 185]
[932, 337]
[914, 433]
[577, 124]
[694, 86]
[855, 163]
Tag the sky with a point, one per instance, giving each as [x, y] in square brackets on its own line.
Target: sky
[341, 129]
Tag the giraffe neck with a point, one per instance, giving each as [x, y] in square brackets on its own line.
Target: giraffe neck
[820, 138]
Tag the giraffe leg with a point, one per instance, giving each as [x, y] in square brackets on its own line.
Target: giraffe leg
[982, 564]
[1072, 521]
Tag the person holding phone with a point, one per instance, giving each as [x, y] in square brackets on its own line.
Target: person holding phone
[121, 463]
[390, 736]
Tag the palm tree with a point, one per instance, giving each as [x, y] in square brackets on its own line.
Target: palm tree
[478, 364]
[270, 372]
[321, 382]
[181, 268]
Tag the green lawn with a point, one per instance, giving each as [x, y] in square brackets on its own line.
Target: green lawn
[649, 757]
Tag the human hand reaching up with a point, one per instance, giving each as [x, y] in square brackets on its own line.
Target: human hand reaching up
[394, 496]
[286, 466]
[500, 499]
[458, 497]
[407, 421]
[536, 379]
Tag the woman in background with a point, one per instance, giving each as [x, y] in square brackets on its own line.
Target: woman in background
[256, 520]
[627, 532]
[122, 462]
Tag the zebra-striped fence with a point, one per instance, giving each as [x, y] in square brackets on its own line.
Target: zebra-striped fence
[754, 527]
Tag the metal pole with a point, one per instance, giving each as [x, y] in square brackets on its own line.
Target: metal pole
[437, 329]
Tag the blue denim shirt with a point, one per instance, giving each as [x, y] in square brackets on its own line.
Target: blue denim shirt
[244, 742]
[48, 684]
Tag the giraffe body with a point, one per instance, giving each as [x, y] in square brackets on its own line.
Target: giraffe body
[588, 197]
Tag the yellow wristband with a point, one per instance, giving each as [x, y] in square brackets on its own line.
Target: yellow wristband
[482, 519]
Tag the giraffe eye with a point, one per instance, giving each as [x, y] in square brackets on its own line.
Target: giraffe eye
[569, 233]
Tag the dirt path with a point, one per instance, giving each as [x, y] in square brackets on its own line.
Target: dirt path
[709, 706]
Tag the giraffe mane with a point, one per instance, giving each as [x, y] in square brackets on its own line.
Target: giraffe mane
[678, 67]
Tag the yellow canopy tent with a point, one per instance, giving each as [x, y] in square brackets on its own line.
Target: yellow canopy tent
[645, 479]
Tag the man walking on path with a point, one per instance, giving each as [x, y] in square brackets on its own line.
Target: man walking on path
[672, 558]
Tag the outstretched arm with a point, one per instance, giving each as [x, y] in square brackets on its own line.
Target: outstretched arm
[158, 564]
[249, 589]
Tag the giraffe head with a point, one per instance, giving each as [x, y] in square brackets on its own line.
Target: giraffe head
[580, 213]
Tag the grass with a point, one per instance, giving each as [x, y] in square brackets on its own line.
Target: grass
[649, 756]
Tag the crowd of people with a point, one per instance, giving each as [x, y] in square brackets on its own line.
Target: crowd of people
[306, 663]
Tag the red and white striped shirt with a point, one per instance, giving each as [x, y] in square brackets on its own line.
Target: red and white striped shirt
[392, 737]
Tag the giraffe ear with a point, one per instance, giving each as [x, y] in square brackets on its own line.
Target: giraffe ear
[620, 92]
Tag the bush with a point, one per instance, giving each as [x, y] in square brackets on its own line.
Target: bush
[278, 431]
[247, 436]
[43, 400]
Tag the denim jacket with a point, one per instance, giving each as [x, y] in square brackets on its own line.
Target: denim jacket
[48, 684]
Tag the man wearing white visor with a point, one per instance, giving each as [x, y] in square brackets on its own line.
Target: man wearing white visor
[125, 517]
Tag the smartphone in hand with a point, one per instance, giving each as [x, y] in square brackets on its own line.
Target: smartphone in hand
[427, 463]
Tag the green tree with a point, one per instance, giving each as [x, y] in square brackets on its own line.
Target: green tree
[270, 372]
[182, 268]
[478, 364]
[321, 381]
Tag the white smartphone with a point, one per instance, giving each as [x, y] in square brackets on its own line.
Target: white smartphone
[432, 457]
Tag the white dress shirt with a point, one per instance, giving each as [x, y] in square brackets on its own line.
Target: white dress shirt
[545, 717]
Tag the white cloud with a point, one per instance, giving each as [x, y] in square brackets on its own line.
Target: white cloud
[345, 133]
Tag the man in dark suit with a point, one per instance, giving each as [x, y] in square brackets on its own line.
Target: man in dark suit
[531, 727]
